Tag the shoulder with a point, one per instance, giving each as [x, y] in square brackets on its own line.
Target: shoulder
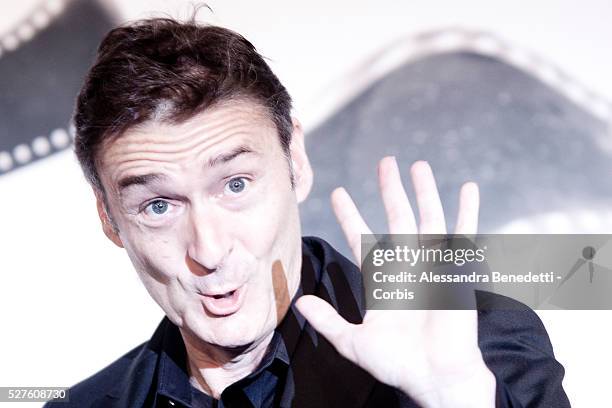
[516, 348]
[501, 317]
[328, 274]
[327, 259]
[98, 388]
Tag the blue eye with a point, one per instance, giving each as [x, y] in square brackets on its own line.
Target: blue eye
[236, 185]
[159, 206]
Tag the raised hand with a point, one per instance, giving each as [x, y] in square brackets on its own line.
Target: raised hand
[433, 356]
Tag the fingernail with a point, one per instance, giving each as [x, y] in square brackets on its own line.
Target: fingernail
[388, 163]
[392, 158]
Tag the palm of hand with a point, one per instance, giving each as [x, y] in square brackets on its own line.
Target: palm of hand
[417, 351]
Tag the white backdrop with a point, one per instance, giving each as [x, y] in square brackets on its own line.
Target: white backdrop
[64, 287]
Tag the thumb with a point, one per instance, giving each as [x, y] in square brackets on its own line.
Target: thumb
[326, 320]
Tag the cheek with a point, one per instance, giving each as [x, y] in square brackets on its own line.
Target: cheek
[153, 255]
[266, 227]
[274, 238]
[158, 267]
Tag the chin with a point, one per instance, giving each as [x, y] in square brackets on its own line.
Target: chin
[232, 333]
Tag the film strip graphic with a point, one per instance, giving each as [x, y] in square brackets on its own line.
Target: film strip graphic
[42, 31]
[449, 40]
[24, 31]
[37, 21]
[41, 146]
[375, 67]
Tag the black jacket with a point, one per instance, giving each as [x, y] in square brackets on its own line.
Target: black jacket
[513, 341]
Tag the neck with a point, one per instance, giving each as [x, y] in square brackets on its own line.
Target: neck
[212, 368]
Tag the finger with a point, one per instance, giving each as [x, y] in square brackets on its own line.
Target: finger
[431, 213]
[400, 216]
[469, 203]
[350, 220]
[326, 320]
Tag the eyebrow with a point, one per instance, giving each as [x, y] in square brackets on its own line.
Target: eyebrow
[226, 157]
[145, 179]
[141, 180]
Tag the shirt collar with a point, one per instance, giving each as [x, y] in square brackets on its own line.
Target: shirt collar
[173, 378]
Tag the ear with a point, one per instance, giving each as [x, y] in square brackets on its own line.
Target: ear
[107, 225]
[299, 161]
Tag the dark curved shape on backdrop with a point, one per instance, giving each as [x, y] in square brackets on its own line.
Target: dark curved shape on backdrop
[473, 118]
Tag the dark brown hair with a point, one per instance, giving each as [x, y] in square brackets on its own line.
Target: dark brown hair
[179, 69]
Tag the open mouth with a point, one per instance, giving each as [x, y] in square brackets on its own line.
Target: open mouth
[224, 304]
[225, 295]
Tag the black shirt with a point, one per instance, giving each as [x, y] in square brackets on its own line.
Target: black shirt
[302, 369]
[258, 389]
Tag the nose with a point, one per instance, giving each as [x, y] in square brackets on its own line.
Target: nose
[209, 243]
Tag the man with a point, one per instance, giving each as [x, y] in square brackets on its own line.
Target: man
[186, 137]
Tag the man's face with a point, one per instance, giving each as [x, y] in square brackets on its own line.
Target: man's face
[207, 215]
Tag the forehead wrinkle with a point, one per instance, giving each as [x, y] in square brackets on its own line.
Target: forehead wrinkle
[223, 118]
[174, 141]
[158, 144]
[136, 154]
[230, 155]
[212, 155]
[193, 138]
[162, 162]
[201, 151]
